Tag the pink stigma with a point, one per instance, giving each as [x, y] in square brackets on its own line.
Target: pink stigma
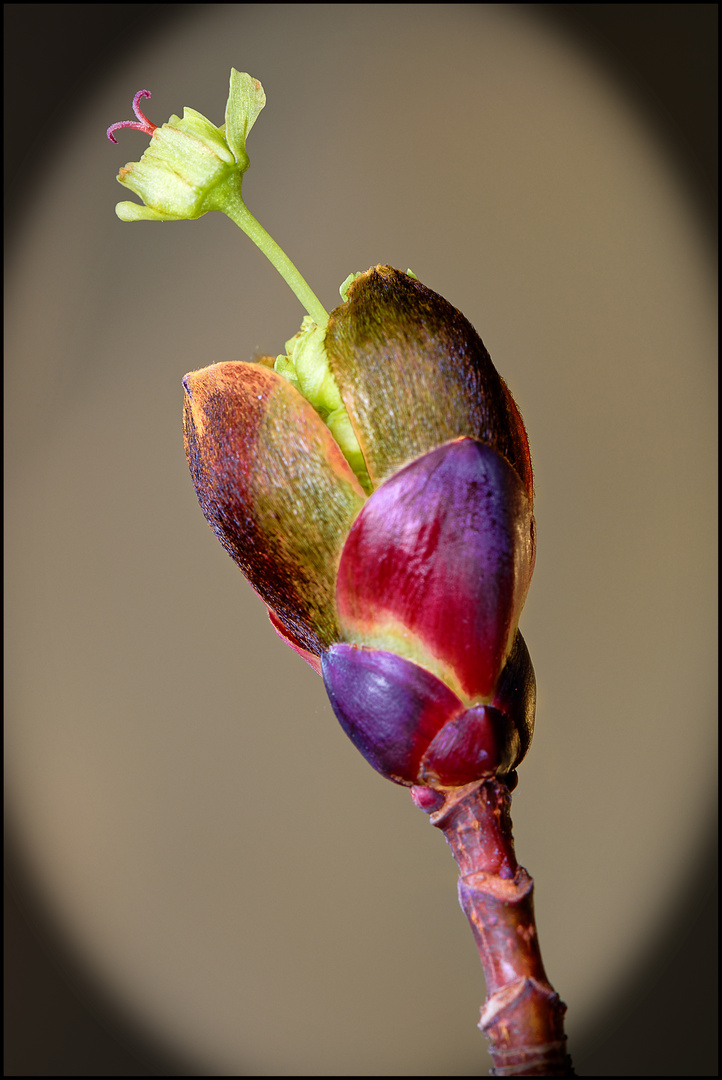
[141, 124]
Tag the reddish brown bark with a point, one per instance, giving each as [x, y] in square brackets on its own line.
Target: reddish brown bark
[522, 1017]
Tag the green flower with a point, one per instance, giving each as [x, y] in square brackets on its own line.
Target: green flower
[191, 166]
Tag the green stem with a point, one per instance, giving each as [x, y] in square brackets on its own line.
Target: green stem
[239, 213]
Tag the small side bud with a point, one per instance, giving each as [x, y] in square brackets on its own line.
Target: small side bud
[427, 799]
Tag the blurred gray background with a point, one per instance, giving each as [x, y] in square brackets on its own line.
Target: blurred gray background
[204, 877]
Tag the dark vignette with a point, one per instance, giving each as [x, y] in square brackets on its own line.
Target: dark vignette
[56, 1022]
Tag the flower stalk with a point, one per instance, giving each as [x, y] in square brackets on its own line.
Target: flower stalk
[238, 212]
